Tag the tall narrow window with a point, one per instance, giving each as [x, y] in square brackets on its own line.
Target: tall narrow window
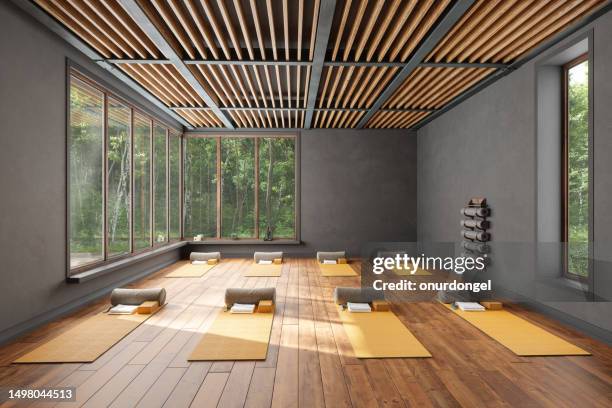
[142, 182]
[238, 187]
[86, 174]
[277, 187]
[159, 185]
[118, 168]
[175, 185]
[200, 201]
[576, 168]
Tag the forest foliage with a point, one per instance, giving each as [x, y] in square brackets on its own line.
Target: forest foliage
[578, 169]
[88, 180]
[275, 183]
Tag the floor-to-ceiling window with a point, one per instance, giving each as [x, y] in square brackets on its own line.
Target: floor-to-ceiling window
[257, 195]
[142, 182]
[160, 199]
[576, 168]
[238, 187]
[124, 177]
[174, 170]
[86, 174]
[276, 187]
[200, 187]
[118, 170]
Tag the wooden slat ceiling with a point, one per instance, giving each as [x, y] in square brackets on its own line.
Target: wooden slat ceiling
[491, 31]
[254, 57]
[504, 30]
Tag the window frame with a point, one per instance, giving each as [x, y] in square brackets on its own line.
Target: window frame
[151, 124]
[107, 256]
[179, 136]
[153, 186]
[80, 74]
[565, 68]
[257, 136]
[93, 264]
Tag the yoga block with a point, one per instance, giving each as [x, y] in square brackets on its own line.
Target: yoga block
[492, 305]
[265, 306]
[380, 306]
[212, 261]
[342, 260]
[148, 307]
[277, 261]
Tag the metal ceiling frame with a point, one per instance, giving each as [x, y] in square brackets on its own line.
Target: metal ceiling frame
[324, 22]
[326, 13]
[134, 10]
[451, 17]
[295, 63]
[247, 108]
[45, 19]
[497, 75]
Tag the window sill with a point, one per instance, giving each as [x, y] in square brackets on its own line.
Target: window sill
[245, 242]
[564, 287]
[113, 266]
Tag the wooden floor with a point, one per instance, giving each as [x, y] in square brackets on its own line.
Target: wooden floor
[310, 362]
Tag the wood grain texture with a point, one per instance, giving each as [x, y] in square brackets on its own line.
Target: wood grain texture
[310, 360]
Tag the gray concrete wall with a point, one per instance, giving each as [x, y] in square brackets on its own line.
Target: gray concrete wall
[356, 186]
[487, 146]
[33, 176]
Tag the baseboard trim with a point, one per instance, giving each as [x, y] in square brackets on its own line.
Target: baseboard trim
[586, 328]
[26, 327]
[577, 324]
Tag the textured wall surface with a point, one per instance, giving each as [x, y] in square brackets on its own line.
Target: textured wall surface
[356, 187]
[486, 146]
[33, 181]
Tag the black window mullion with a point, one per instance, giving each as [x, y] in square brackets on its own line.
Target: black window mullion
[131, 188]
[152, 184]
[105, 178]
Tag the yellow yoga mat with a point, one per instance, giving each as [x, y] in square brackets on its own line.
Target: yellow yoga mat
[235, 337]
[520, 336]
[258, 270]
[408, 272]
[380, 335]
[189, 270]
[87, 341]
[336, 270]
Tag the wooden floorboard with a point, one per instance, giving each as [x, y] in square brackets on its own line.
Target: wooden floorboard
[310, 362]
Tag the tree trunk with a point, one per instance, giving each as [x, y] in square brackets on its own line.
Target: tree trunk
[119, 194]
[269, 185]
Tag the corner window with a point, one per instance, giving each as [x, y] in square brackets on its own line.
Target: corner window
[576, 214]
[123, 178]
